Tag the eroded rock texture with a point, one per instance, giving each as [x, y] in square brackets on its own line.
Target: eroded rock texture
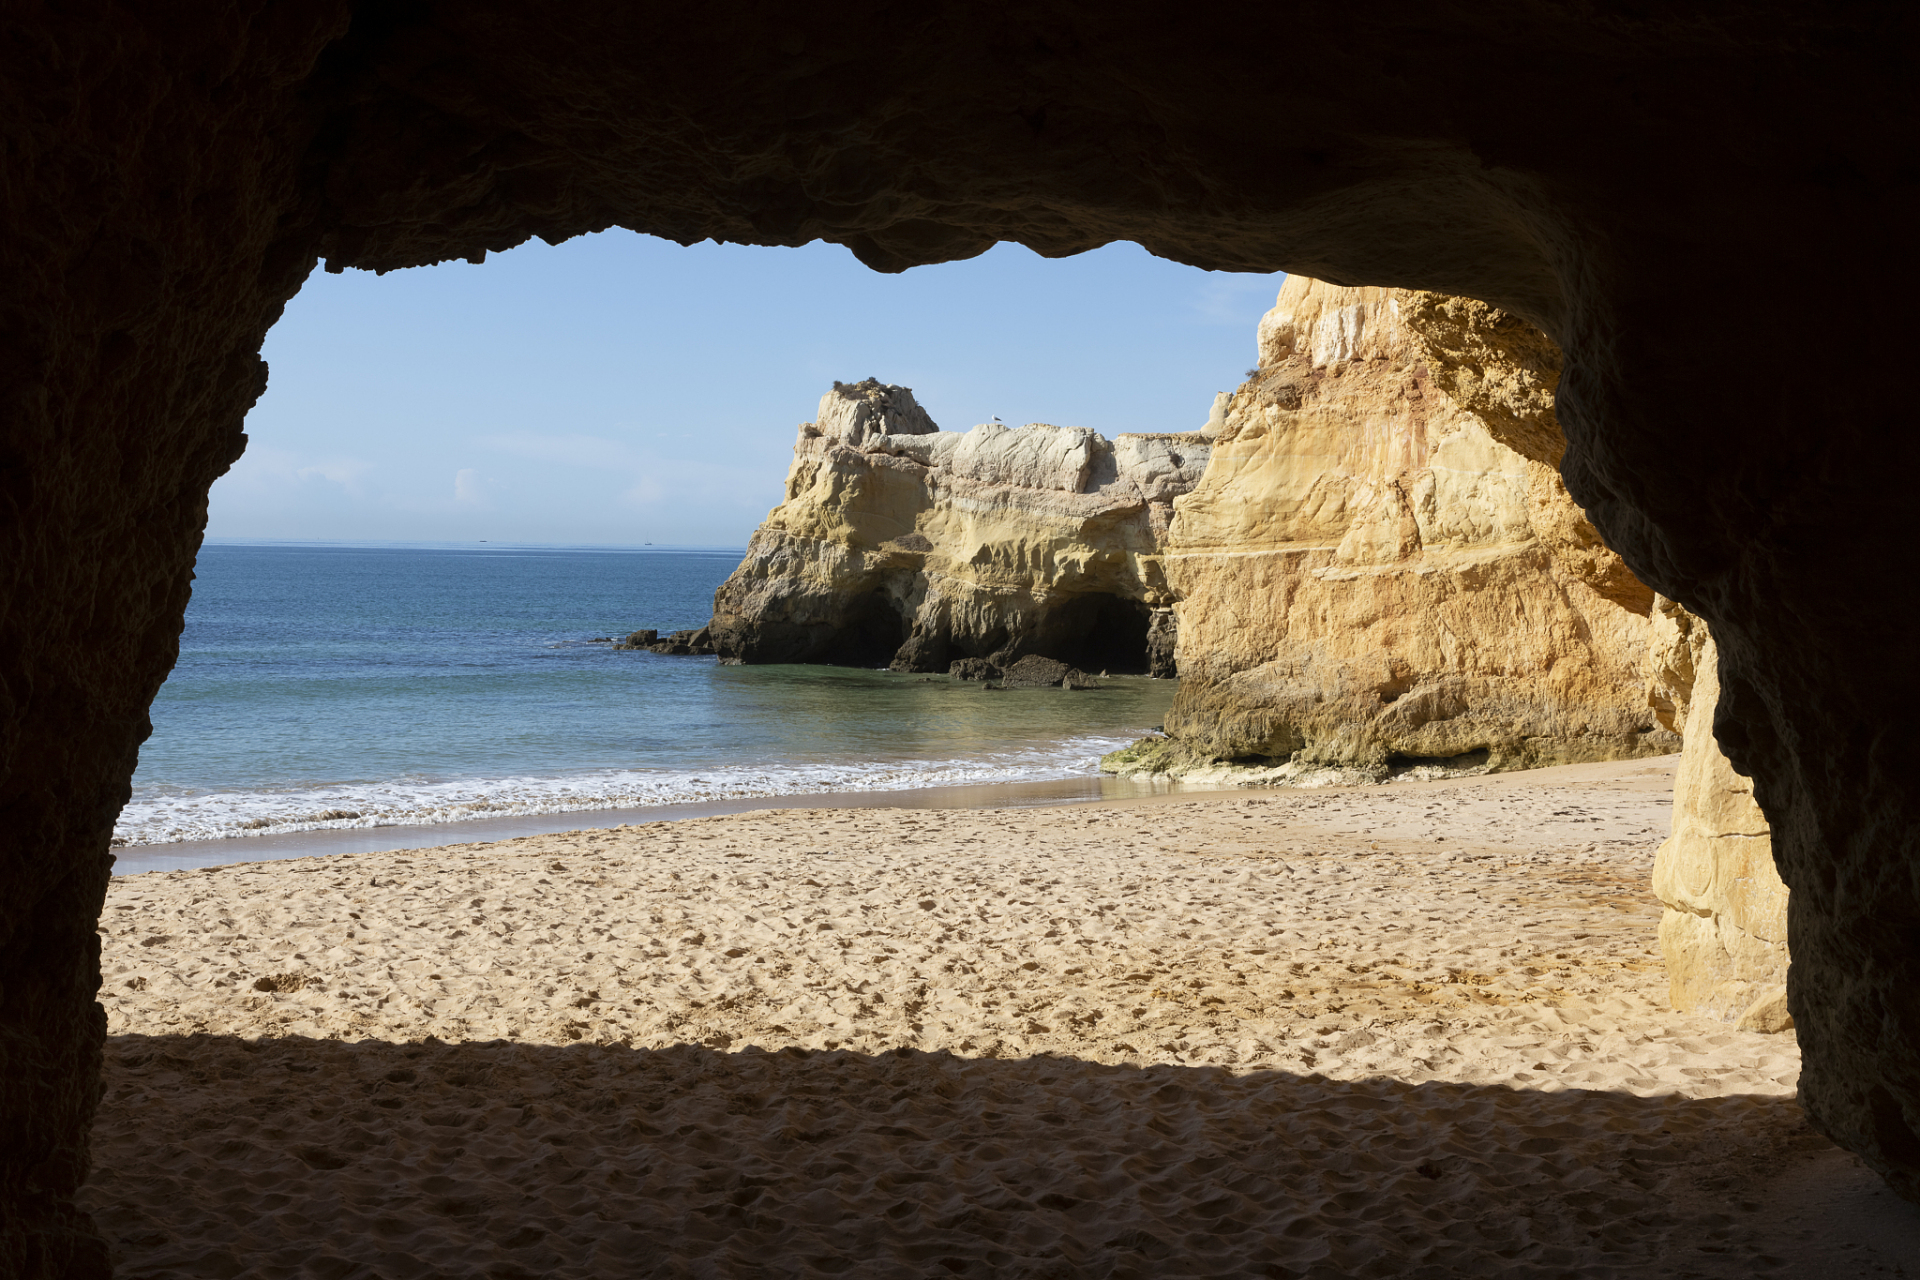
[1621, 178]
[1724, 932]
[155, 163]
[900, 544]
[1367, 574]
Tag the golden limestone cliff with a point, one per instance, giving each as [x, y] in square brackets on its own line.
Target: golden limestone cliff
[1370, 569]
[900, 544]
[1724, 930]
[1372, 561]
[1381, 566]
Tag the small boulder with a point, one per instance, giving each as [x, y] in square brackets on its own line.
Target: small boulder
[695, 640]
[924, 650]
[973, 669]
[1037, 672]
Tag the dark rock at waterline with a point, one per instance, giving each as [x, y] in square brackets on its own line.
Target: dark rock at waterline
[924, 650]
[1037, 672]
[695, 641]
[973, 669]
[1162, 632]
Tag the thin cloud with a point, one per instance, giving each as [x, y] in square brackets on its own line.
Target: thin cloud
[649, 478]
[573, 450]
[469, 489]
[1233, 299]
[278, 469]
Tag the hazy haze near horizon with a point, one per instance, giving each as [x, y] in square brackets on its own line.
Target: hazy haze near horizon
[619, 389]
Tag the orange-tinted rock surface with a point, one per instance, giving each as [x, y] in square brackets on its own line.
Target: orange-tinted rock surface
[1724, 933]
[1368, 575]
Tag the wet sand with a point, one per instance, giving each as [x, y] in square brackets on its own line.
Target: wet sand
[187, 855]
[1413, 1030]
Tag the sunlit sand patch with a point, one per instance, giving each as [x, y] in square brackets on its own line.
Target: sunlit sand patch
[1340, 1033]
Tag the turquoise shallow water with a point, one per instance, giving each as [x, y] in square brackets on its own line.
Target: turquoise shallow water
[358, 686]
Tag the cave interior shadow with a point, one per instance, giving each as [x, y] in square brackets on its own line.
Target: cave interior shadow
[219, 1156]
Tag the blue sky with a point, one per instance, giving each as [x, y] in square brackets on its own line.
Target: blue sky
[620, 390]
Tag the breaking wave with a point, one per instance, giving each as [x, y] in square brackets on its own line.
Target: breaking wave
[167, 815]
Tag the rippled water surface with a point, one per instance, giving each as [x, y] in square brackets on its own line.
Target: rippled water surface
[407, 685]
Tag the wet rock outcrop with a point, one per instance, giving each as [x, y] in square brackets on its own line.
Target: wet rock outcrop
[900, 544]
[1724, 930]
[1611, 175]
[1369, 574]
[692, 641]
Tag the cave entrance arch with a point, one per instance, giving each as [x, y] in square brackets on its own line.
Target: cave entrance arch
[1611, 177]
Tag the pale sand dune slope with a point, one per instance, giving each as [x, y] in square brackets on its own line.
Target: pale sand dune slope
[1414, 1030]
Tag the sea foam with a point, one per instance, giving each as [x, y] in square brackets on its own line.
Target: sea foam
[166, 815]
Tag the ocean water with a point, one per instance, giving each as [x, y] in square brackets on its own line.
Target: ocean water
[334, 687]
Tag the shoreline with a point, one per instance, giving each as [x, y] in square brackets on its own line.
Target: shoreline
[184, 855]
[1100, 789]
[1416, 1028]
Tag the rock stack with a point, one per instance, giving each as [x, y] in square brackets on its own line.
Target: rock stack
[903, 545]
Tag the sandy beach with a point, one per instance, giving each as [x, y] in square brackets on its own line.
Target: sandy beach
[1413, 1030]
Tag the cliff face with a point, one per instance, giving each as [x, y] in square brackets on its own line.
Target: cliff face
[1374, 569]
[902, 544]
[1724, 931]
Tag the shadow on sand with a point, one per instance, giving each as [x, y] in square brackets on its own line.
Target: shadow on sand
[217, 1157]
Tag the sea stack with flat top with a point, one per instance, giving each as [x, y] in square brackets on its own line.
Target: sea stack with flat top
[903, 545]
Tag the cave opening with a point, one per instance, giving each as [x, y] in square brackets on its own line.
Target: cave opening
[1465, 761]
[1098, 632]
[142, 313]
[869, 635]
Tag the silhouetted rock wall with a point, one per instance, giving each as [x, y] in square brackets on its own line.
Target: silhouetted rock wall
[1618, 178]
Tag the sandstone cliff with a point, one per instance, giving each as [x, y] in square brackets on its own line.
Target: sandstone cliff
[1724, 931]
[902, 544]
[1376, 571]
